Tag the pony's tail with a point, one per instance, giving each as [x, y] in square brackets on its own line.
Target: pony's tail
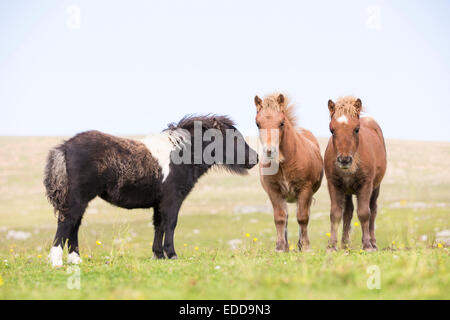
[55, 178]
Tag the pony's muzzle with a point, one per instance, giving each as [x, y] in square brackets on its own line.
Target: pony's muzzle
[344, 161]
[255, 159]
[252, 160]
[270, 152]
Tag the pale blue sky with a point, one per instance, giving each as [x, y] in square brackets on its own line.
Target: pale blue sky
[131, 67]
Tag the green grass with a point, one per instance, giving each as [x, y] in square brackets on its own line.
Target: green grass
[414, 206]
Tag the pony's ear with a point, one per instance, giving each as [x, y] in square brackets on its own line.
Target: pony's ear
[216, 123]
[280, 99]
[358, 105]
[258, 103]
[281, 102]
[331, 107]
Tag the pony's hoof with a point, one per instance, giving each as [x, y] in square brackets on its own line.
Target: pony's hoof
[55, 256]
[368, 247]
[303, 247]
[56, 264]
[158, 256]
[74, 258]
[174, 257]
[331, 249]
[281, 247]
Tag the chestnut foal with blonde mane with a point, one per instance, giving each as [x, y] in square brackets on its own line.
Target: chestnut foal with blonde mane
[355, 163]
[295, 153]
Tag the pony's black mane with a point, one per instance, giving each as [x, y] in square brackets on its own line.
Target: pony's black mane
[208, 122]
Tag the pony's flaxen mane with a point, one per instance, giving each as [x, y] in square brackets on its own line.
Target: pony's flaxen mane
[270, 103]
[346, 106]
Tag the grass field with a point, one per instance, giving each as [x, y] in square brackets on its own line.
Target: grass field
[225, 238]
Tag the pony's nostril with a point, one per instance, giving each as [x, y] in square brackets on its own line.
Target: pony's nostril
[344, 160]
[270, 152]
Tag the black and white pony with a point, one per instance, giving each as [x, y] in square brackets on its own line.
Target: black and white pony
[158, 171]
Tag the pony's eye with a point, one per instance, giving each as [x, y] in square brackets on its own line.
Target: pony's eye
[257, 124]
[356, 130]
[282, 125]
[332, 131]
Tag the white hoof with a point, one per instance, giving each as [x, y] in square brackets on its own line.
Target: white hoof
[74, 258]
[55, 256]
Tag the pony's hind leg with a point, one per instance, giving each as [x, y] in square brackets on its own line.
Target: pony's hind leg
[303, 209]
[67, 221]
[74, 253]
[348, 215]
[373, 215]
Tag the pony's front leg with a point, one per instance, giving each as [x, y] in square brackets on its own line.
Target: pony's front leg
[303, 209]
[348, 215]
[157, 248]
[363, 210]
[169, 213]
[337, 198]
[280, 216]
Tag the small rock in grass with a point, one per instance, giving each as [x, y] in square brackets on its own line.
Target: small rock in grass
[17, 235]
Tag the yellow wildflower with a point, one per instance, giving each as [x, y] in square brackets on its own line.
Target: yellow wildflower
[99, 243]
[440, 245]
[196, 248]
[255, 239]
[356, 224]
[247, 235]
[328, 234]
[185, 244]
[39, 256]
[393, 242]
[1, 281]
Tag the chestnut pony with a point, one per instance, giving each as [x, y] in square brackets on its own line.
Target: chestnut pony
[295, 155]
[355, 163]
